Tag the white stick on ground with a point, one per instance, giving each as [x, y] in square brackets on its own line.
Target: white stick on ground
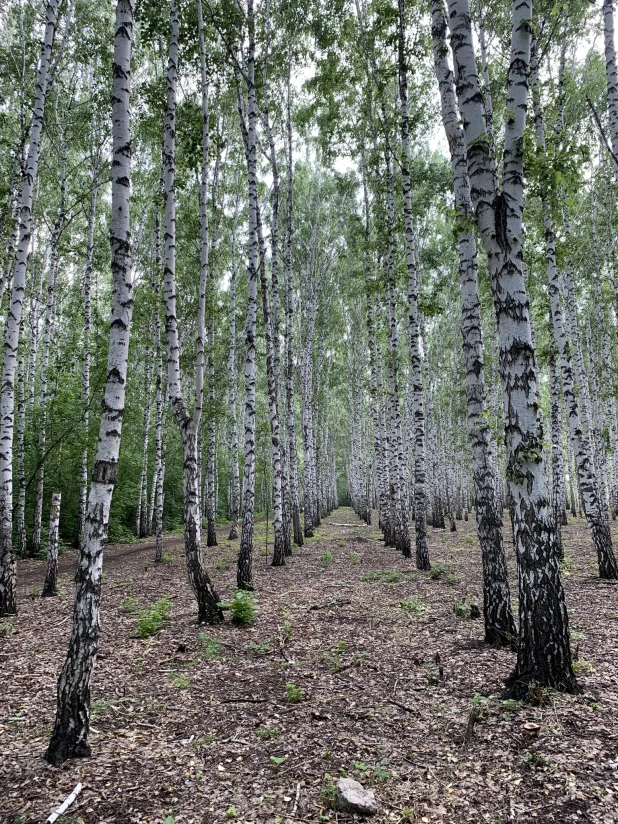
[65, 805]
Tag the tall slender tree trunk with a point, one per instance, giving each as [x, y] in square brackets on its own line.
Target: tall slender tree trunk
[87, 287]
[588, 484]
[288, 331]
[188, 424]
[235, 482]
[497, 612]
[70, 734]
[245, 556]
[8, 604]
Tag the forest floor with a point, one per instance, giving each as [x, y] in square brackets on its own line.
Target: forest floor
[395, 689]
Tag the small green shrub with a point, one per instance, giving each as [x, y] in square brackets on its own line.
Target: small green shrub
[567, 565]
[412, 606]
[326, 558]
[466, 610]
[34, 591]
[151, 618]
[328, 792]
[6, 629]
[259, 648]
[268, 733]
[180, 681]
[340, 543]
[437, 572]
[293, 693]
[374, 575]
[393, 576]
[468, 540]
[277, 760]
[209, 647]
[243, 607]
[354, 558]
[167, 559]
[129, 605]
[231, 812]
[582, 667]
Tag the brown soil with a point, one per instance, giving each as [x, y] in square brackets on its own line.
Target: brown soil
[194, 723]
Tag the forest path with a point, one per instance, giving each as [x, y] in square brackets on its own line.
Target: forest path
[196, 723]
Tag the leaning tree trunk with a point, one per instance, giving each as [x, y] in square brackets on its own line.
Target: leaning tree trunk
[12, 327]
[207, 598]
[499, 622]
[70, 734]
[51, 576]
[544, 653]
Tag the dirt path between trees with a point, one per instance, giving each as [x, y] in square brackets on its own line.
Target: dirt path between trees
[356, 665]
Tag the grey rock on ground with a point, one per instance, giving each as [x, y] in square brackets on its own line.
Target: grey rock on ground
[352, 797]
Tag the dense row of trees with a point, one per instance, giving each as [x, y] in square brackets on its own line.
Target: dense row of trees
[294, 268]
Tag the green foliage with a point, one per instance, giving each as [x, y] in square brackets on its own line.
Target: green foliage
[6, 628]
[243, 607]
[393, 576]
[466, 610]
[326, 558]
[152, 617]
[293, 693]
[129, 605]
[328, 794]
[259, 648]
[277, 760]
[268, 733]
[354, 558]
[437, 572]
[209, 647]
[412, 606]
[180, 681]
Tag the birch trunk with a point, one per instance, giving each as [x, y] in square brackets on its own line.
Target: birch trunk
[288, 330]
[544, 654]
[244, 576]
[70, 734]
[235, 484]
[581, 447]
[188, 424]
[87, 287]
[12, 327]
[51, 576]
[22, 548]
[497, 612]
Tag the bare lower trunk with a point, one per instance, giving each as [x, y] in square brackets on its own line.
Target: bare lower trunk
[51, 576]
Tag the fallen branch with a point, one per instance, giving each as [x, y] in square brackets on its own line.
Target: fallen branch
[243, 700]
[401, 706]
[295, 807]
[65, 805]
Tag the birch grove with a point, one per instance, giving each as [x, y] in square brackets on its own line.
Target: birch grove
[372, 252]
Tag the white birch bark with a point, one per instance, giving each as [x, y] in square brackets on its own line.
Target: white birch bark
[544, 653]
[245, 556]
[70, 734]
[86, 344]
[51, 576]
[235, 479]
[12, 327]
[188, 424]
